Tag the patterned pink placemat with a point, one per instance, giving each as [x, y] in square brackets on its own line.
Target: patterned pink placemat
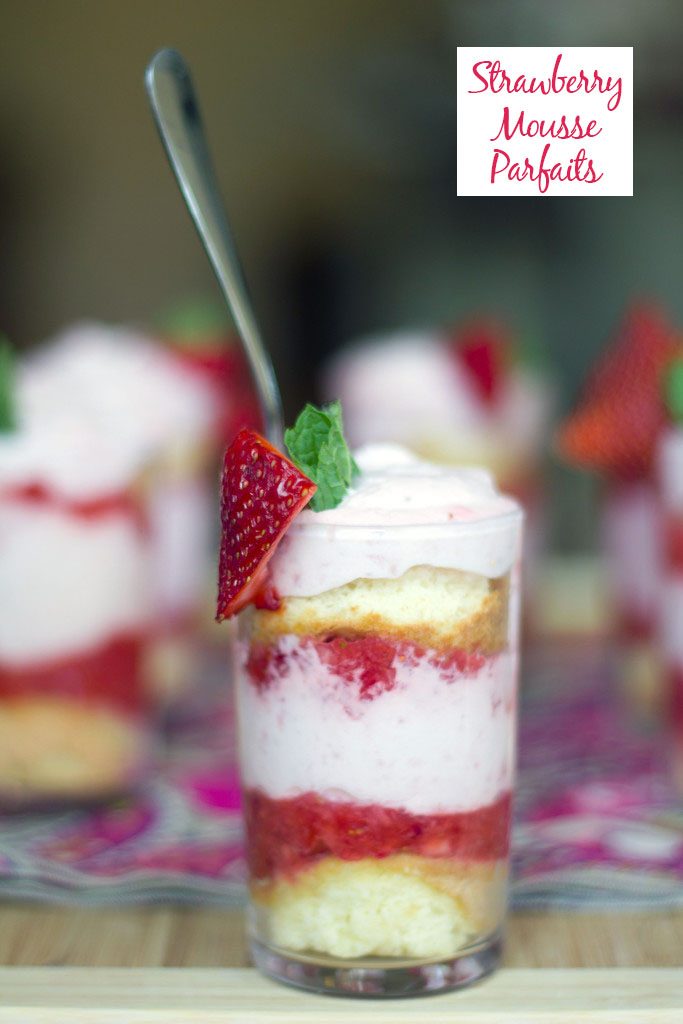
[597, 822]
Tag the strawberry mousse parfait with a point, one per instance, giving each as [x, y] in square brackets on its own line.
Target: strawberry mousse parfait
[458, 396]
[463, 396]
[376, 677]
[670, 473]
[137, 395]
[76, 614]
[614, 431]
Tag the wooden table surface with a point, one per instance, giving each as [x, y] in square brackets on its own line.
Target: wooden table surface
[190, 937]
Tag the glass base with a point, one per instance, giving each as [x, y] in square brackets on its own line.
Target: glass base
[378, 979]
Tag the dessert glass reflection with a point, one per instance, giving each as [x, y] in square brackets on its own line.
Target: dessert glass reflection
[376, 699]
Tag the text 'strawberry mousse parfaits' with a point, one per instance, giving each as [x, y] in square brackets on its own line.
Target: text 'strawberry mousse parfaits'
[376, 679]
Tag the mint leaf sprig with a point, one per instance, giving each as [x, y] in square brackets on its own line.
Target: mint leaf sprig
[316, 444]
[673, 389]
[8, 411]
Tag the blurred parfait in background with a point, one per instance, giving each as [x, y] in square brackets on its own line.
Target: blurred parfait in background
[472, 394]
[614, 432]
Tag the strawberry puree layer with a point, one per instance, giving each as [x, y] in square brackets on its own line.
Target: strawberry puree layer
[418, 734]
[110, 675]
[285, 835]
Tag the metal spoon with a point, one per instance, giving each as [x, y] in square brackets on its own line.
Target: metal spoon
[176, 112]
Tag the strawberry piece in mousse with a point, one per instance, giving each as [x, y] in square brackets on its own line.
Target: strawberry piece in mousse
[368, 663]
[262, 492]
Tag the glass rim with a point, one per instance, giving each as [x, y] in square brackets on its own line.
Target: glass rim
[491, 524]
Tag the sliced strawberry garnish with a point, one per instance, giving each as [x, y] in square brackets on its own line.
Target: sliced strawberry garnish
[481, 346]
[617, 422]
[261, 493]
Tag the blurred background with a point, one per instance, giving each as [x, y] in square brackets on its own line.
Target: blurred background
[333, 131]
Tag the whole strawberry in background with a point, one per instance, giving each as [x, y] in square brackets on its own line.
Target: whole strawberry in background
[620, 415]
[614, 431]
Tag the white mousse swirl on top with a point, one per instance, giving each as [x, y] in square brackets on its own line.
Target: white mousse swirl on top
[96, 406]
[400, 512]
[67, 458]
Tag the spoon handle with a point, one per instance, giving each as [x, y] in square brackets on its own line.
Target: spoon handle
[176, 112]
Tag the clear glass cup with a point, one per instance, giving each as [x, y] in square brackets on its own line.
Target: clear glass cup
[376, 729]
[75, 723]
